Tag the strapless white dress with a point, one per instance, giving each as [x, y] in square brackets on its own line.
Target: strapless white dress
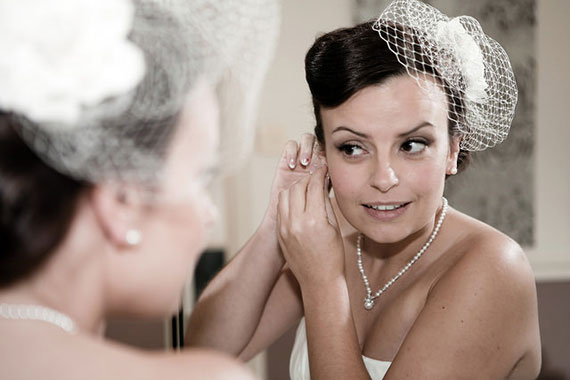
[299, 363]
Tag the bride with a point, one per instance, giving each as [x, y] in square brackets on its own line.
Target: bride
[386, 279]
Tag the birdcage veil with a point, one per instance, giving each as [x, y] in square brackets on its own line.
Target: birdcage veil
[469, 66]
[119, 72]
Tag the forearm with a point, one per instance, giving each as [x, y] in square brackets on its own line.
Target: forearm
[334, 351]
[229, 310]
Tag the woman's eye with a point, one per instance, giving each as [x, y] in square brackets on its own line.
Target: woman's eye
[351, 150]
[414, 146]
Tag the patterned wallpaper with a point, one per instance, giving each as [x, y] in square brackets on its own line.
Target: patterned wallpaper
[497, 187]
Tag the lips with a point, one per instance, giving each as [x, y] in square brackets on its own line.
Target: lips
[386, 206]
[386, 211]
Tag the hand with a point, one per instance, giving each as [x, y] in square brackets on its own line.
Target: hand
[308, 232]
[296, 162]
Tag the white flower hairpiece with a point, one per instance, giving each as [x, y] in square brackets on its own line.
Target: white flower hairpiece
[471, 67]
[61, 57]
[452, 35]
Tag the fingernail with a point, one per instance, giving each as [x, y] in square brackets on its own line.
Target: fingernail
[305, 161]
[292, 163]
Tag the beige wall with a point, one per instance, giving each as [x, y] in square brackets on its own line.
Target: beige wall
[551, 256]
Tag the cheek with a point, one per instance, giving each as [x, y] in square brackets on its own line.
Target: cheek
[347, 179]
[427, 177]
[182, 225]
[193, 225]
[429, 171]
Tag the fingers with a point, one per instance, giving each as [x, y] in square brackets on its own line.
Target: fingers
[306, 149]
[283, 206]
[290, 153]
[297, 196]
[302, 153]
[316, 192]
[318, 159]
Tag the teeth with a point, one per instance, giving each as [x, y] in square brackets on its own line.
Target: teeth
[386, 207]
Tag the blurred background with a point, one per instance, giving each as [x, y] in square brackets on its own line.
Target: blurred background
[522, 187]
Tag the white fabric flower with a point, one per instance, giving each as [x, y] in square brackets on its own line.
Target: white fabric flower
[453, 36]
[62, 56]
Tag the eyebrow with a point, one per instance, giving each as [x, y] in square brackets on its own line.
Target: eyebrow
[338, 129]
[420, 126]
[364, 135]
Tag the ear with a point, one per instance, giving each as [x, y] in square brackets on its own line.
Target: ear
[451, 167]
[320, 154]
[118, 209]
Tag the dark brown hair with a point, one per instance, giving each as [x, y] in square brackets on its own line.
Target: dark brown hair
[342, 62]
[37, 205]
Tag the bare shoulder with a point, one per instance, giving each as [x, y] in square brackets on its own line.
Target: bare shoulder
[487, 256]
[56, 355]
[198, 363]
[185, 364]
[491, 286]
[480, 317]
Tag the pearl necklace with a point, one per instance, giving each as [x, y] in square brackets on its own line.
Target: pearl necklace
[369, 300]
[37, 313]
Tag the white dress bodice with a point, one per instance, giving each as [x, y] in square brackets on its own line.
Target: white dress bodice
[299, 363]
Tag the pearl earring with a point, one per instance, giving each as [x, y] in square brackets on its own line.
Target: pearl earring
[133, 237]
[453, 171]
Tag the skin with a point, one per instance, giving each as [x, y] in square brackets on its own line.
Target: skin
[466, 310]
[95, 273]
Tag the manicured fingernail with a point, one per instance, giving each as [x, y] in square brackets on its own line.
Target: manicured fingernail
[305, 161]
[292, 163]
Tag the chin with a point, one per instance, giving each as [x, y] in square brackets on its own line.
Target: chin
[385, 236]
[167, 309]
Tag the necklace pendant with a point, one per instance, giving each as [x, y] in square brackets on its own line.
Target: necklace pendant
[368, 303]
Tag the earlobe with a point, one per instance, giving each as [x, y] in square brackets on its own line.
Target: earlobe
[453, 156]
[117, 209]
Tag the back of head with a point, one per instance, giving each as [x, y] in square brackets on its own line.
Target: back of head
[44, 168]
[112, 113]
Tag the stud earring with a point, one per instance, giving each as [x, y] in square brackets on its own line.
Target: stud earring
[133, 237]
[453, 171]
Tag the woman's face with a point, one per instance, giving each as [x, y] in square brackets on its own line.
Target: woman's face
[178, 219]
[388, 151]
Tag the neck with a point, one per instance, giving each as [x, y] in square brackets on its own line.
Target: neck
[70, 282]
[397, 251]
[71, 299]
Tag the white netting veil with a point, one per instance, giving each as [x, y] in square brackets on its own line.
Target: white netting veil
[470, 67]
[101, 84]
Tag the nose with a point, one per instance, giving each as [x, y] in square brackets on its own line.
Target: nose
[384, 176]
